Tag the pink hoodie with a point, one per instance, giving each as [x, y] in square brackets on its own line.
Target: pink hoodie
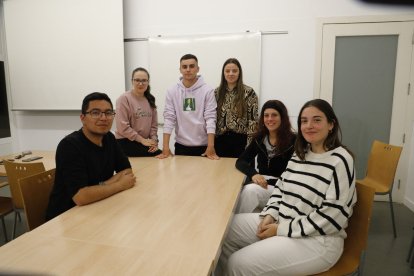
[193, 118]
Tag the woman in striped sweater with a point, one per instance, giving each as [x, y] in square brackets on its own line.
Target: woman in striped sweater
[302, 227]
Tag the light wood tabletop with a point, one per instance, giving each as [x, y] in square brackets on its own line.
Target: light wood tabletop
[172, 222]
[40, 255]
[48, 159]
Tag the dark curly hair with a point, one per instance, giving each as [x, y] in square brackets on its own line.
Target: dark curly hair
[285, 133]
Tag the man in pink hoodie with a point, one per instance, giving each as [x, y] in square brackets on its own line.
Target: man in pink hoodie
[190, 108]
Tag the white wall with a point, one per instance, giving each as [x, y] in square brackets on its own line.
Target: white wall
[287, 60]
[409, 191]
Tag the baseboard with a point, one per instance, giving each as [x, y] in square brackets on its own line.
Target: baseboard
[409, 203]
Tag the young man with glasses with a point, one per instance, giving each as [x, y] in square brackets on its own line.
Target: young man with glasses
[87, 159]
[190, 108]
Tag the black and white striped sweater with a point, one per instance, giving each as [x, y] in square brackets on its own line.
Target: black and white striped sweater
[314, 197]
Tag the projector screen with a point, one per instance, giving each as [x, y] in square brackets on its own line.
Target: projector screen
[61, 50]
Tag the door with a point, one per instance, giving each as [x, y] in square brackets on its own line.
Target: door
[5, 133]
[5, 127]
[365, 69]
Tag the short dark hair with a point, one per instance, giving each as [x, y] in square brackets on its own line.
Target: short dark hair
[93, 97]
[188, 56]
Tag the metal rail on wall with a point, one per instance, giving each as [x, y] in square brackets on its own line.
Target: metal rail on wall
[262, 32]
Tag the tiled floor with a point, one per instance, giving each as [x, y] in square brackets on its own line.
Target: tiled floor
[385, 255]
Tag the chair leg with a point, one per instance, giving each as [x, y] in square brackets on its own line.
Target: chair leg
[360, 270]
[410, 251]
[20, 217]
[16, 214]
[412, 257]
[4, 229]
[392, 215]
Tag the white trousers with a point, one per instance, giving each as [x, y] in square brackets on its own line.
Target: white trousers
[253, 198]
[243, 253]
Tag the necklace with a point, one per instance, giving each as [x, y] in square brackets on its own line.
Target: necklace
[271, 145]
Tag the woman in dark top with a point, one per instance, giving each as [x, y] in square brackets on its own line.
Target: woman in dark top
[273, 145]
[236, 111]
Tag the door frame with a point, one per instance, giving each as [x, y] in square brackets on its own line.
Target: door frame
[321, 22]
[403, 169]
[8, 144]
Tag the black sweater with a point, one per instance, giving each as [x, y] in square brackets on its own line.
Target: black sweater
[267, 166]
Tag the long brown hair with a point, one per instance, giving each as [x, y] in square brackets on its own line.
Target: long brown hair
[285, 132]
[240, 102]
[334, 138]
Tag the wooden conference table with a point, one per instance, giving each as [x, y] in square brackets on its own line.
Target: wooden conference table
[172, 222]
[48, 159]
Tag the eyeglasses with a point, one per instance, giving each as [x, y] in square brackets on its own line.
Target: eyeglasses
[96, 114]
[140, 81]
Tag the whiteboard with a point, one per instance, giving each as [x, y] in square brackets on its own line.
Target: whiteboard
[211, 50]
[61, 50]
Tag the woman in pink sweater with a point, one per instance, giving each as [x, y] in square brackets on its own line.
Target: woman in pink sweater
[136, 118]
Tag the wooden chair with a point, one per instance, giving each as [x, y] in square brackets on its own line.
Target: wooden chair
[14, 172]
[6, 207]
[3, 181]
[381, 168]
[352, 259]
[35, 191]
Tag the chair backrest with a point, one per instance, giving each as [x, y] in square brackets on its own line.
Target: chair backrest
[14, 172]
[35, 191]
[357, 233]
[383, 162]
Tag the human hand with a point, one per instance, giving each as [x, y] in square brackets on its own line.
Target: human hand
[260, 180]
[149, 142]
[117, 176]
[210, 153]
[268, 219]
[153, 149]
[126, 180]
[165, 153]
[268, 231]
[267, 228]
